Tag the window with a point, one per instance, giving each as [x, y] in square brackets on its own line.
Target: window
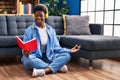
[108, 30]
[84, 5]
[117, 4]
[117, 17]
[117, 30]
[109, 4]
[106, 12]
[91, 5]
[99, 4]
[108, 17]
[91, 17]
[99, 18]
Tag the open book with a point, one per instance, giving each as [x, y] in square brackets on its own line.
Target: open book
[29, 45]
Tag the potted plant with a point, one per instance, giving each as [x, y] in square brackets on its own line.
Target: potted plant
[57, 7]
[4, 10]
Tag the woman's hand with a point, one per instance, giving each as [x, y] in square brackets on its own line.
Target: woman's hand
[75, 49]
[27, 52]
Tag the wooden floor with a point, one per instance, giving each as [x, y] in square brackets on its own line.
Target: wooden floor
[104, 69]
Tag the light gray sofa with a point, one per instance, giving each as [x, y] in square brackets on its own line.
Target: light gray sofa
[93, 46]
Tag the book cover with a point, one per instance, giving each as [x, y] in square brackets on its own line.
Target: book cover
[25, 8]
[29, 45]
[21, 8]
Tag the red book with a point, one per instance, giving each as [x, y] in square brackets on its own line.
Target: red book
[29, 45]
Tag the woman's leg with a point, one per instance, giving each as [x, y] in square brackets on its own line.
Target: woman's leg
[59, 61]
[33, 62]
[54, 66]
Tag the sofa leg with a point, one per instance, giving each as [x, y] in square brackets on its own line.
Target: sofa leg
[90, 64]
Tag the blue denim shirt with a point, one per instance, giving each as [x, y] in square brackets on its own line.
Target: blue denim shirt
[53, 46]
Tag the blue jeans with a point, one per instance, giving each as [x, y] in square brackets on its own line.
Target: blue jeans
[34, 62]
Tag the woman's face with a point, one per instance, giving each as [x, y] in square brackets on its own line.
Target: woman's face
[39, 17]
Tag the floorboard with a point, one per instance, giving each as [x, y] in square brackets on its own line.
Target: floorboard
[104, 69]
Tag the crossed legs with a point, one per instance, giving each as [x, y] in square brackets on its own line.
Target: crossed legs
[41, 67]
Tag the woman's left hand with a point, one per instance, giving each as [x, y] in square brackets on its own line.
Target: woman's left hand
[75, 49]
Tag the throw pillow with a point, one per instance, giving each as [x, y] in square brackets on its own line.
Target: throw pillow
[76, 25]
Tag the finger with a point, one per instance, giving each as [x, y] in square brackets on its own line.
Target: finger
[75, 45]
[79, 46]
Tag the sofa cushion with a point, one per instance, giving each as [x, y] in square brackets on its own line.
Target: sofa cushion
[76, 25]
[57, 23]
[3, 25]
[91, 42]
[8, 41]
[17, 24]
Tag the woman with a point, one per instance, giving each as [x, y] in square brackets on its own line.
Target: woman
[49, 57]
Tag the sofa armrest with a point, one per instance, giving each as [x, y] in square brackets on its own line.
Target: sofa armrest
[96, 29]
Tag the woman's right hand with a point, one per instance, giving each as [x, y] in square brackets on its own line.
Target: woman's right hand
[26, 52]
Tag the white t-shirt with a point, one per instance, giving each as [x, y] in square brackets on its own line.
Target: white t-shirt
[43, 37]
